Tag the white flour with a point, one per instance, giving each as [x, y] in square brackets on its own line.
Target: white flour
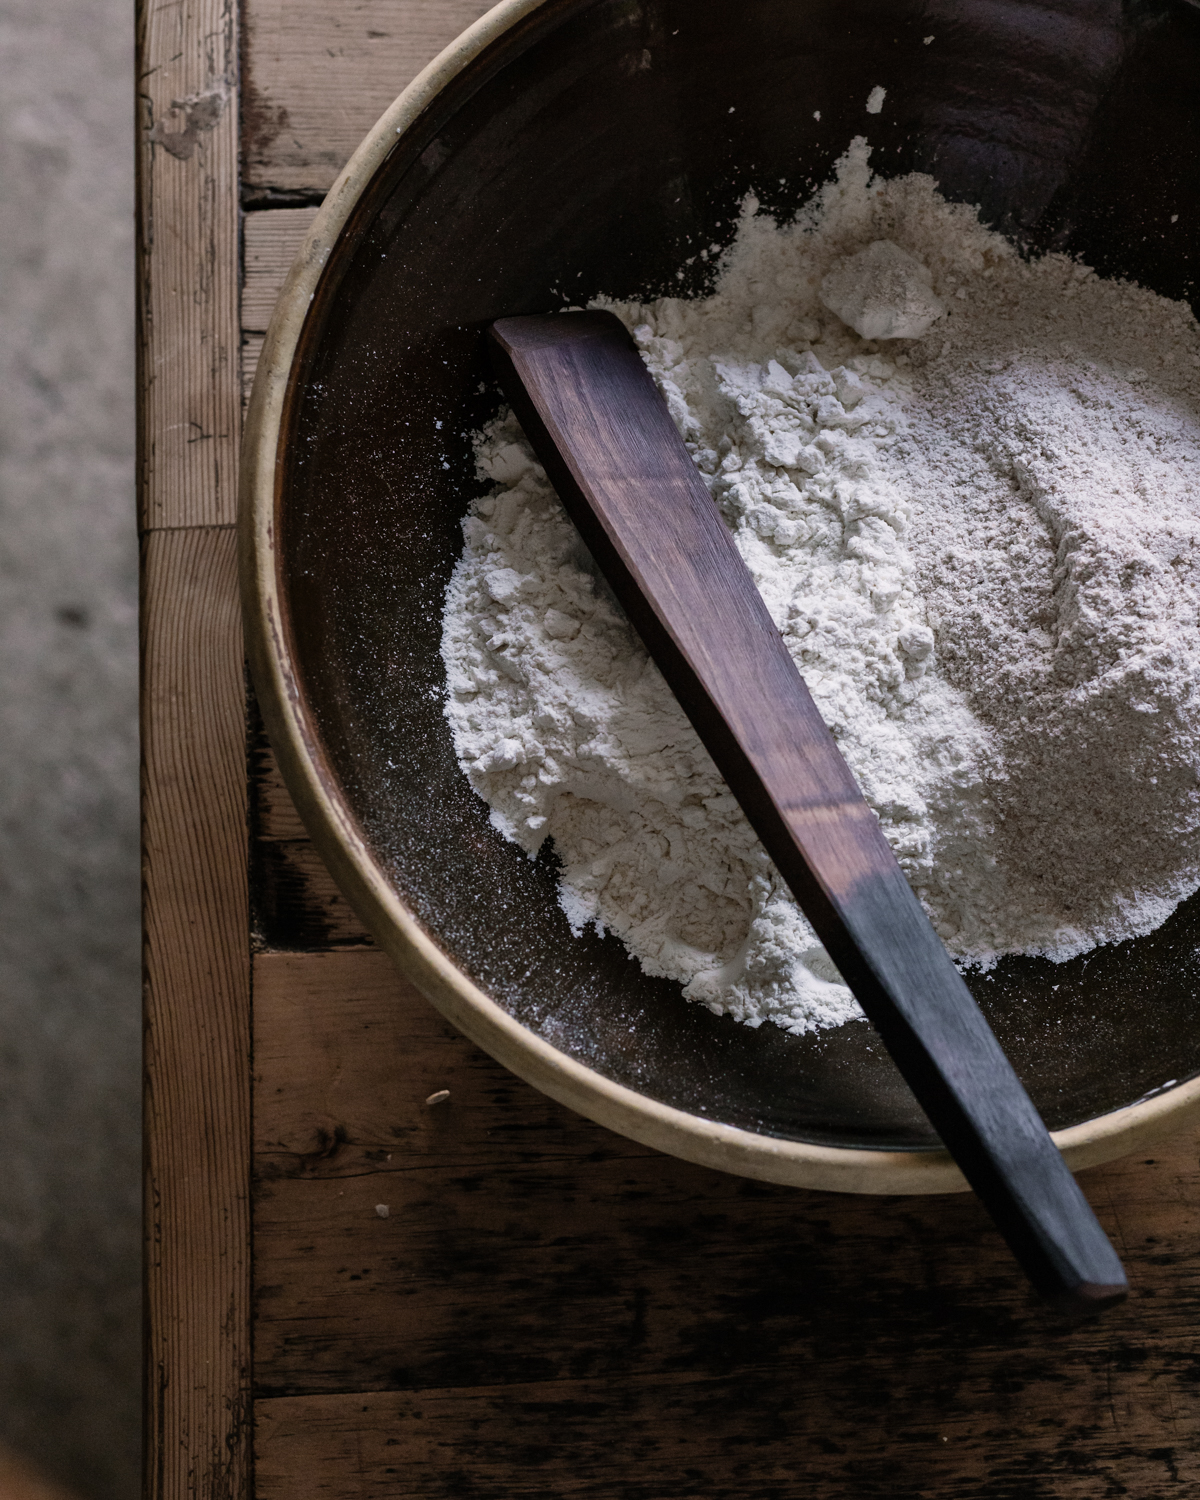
[982, 547]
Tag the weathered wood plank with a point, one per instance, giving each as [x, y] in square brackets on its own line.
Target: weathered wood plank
[197, 999]
[347, 1051]
[271, 239]
[316, 77]
[543, 1285]
[836, 1429]
[188, 345]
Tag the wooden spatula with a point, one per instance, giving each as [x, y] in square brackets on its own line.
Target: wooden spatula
[599, 425]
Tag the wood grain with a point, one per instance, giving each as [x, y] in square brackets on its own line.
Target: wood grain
[316, 77]
[271, 239]
[188, 344]
[194, 789]
[683, 1439]
[605, 436]
[540, 1285]
[197, 1000]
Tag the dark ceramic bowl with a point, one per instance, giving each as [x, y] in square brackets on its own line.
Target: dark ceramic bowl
[563, 148]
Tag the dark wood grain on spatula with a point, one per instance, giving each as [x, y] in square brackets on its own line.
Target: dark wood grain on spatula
[603, 432]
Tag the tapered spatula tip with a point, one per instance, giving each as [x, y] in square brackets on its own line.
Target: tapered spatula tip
[1089, 1297]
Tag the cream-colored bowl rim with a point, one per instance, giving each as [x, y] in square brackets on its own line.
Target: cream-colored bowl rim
[340, 841]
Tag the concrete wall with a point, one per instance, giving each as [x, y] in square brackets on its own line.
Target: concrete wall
[69, 940]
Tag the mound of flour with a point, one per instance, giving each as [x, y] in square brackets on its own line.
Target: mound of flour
[982, 546]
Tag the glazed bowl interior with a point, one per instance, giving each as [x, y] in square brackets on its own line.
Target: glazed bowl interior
[595, 148]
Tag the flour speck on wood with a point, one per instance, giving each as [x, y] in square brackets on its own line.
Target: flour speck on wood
[979, 532]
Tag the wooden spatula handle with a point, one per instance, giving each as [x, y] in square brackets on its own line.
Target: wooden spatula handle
[603, 432]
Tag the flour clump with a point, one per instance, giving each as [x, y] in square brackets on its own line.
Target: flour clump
[882, 293]
[979, 534]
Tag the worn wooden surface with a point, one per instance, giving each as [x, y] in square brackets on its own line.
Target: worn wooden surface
[270, 242]
[540, 1286]
[188, 374]
[316, 77]
[703, 1439]
[546, 1309]
[197, 973]
[197, 994]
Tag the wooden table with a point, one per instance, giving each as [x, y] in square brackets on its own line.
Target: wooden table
[489, 1296]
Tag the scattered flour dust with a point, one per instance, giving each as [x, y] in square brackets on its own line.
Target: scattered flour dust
[982, 546]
